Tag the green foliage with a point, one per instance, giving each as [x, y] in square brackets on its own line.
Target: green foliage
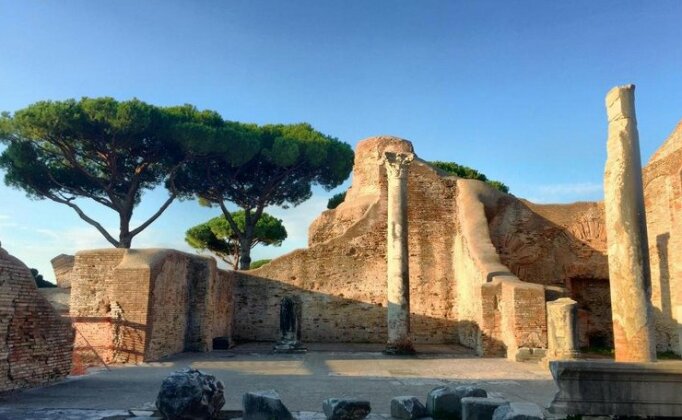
[111, 151]
[336, 199]
[288, 161]
[468, 173]
[217, 235]
[40, 281]
[258, 264]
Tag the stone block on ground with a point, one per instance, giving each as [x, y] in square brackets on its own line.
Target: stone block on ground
[190, 394]
[346, 409]
[444, 402]
[264, 405]
[407, 407]
[518, 411]
[477, 408]
[634, 389]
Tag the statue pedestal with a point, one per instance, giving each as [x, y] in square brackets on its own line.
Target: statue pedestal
[289, 347]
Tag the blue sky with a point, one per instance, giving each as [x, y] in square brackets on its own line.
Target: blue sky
[512, 88]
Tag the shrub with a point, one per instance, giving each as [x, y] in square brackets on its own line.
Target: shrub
[468, 173]
[40, 281]
[336, 200]
[258, 264]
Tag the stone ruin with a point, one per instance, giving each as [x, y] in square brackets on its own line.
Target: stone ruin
[130, 306]
[36, 341]
[62, 265]
[461, 263]
[482, 266]
[476, 276]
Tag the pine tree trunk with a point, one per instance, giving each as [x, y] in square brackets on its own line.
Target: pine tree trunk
[244, 254]
[124, 238]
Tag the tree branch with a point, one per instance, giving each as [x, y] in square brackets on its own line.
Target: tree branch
[230, 220]
[154, 216]
[86, 218]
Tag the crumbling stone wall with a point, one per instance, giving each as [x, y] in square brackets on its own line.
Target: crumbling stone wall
[460, 290]
[498, 313]
[223, 306]
[62, 265]
[35, 342]
[662, 179]
[527, 236]
[140, 305]
[562, 246]
[341, 278]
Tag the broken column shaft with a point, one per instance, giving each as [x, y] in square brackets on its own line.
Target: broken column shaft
[562, 331]
[628, 250]
[398, 276]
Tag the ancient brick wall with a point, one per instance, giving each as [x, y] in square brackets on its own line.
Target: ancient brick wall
[139, 305]
[223, 305]
[550, 243]
[662, 180]
[62, 265]
[341, 278]
[498, 313]
[35, 342]
[341, 282]
[90, 305]
[169, 316]
[595, 328]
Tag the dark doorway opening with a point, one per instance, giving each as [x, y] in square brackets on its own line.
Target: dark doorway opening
[595, 327]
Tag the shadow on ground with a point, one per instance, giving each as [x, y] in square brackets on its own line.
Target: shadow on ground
[303, 380]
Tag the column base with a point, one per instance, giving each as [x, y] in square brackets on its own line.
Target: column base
[289, 347]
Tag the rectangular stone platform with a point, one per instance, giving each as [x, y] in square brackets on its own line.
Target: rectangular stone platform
[625, 389]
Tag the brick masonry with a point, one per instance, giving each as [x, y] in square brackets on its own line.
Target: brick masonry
[35, 341]
[662, 180]
[62, 265]
[137, 305]
[341, 278]
[482, 265]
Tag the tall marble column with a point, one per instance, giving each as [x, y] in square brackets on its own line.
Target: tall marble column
[398, 275]
[628, 250]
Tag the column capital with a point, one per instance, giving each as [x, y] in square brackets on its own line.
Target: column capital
[396, 163]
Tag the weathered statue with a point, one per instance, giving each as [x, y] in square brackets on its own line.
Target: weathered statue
[289, 327]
